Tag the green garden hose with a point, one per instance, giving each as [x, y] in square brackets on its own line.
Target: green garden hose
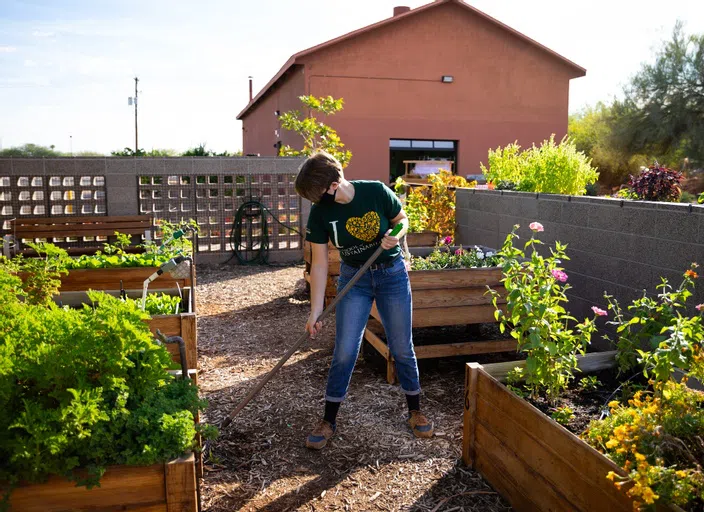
[251, 210]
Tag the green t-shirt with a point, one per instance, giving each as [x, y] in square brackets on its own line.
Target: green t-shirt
[356, 228]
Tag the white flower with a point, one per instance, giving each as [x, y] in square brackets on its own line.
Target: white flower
[480, 255]
[489, 254]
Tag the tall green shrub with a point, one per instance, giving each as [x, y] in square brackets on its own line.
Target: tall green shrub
[550, 168]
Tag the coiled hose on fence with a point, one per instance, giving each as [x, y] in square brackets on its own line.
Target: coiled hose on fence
[250, 210]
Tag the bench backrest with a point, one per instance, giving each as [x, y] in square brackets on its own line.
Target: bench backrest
[79, 227]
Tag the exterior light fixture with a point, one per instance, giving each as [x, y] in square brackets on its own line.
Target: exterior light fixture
[447, 79]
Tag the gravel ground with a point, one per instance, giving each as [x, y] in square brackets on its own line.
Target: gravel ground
[248, 317]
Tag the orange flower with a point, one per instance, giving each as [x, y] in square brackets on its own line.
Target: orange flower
[692, 274]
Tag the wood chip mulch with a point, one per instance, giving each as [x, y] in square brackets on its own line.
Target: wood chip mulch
[247, 318]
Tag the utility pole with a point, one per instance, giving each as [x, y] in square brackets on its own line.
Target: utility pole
[136, 136]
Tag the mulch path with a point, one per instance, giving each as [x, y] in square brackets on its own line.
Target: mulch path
[248, 317]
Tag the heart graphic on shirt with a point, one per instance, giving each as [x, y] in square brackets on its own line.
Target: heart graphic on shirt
[365, 228]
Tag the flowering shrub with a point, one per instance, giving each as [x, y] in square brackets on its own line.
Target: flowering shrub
[536, 317]
[658, 324]
[657, 441]
[657, 184]
[550, 168]
[433, 208]
[444, 257]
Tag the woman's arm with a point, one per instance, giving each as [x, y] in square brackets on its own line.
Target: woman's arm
[318, 283]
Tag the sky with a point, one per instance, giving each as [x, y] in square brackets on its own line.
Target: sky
[67, 67]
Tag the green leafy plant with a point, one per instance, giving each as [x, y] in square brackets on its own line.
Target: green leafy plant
[514, 381]
[549, 168]
[657, 183]
[42, 275]
[446, 257]
[656, 332]
[317, 136]
[85, 389]
[160, 304]
[115, 255]
[589, 383]
[536, 317]
[700, 198]
[562, 415]
[657, 440]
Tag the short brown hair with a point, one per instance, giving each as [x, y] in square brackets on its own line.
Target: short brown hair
[316, 174]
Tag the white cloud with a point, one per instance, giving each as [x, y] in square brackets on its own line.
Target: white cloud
[7, 49]
[43, 33]
[28, 63]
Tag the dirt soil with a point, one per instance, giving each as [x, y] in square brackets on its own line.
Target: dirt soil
[248, 317]
[588, 405]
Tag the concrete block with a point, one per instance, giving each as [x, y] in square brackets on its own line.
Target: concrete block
[593, 264]
[177, 166]
[636, 275]
[606, 217]
[672, 255]
[549, 211]
[576, 214]
[700, 235]
[638, 221]
[676, 225]
[462, 199]
[528, 208]
[121, 194]
[484, 220]
[90, 166]
[5, 166]
[506, 223]
[27, 167]
[121, 166]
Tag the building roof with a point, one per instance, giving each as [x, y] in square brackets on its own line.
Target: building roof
[296, 58]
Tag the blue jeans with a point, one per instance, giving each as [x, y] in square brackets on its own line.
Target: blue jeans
[392, 291]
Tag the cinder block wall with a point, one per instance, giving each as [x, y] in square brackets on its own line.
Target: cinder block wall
[614, 246]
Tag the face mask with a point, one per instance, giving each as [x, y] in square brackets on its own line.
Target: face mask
[328, 199]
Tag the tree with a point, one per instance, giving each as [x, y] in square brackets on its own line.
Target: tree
[316, 135]
[200, 150]
[592, 131]
[663, 109]
[31, 151]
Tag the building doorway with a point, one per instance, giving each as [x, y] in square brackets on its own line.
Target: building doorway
[404, 153]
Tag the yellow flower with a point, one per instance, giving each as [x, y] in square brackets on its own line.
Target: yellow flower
[649, 496]
[681, 474]
[611, 443]
[613, 404]
[611, 476]
[640, 457]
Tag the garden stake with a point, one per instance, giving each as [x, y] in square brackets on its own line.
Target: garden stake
[226, 422]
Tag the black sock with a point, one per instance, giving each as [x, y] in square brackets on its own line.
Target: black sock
[413, 402]
[331, 409]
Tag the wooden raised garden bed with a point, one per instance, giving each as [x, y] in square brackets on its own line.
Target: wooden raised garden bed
[533, 461]
[169, 487]
[444, 298]
[106, 279]
[422, 239]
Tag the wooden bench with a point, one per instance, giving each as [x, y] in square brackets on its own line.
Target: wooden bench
[75, 227]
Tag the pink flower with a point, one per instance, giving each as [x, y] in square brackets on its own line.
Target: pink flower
[599, 311]
[447, 240]
[559, 275]
[536, 226]
[699, 307]
[459, 252]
